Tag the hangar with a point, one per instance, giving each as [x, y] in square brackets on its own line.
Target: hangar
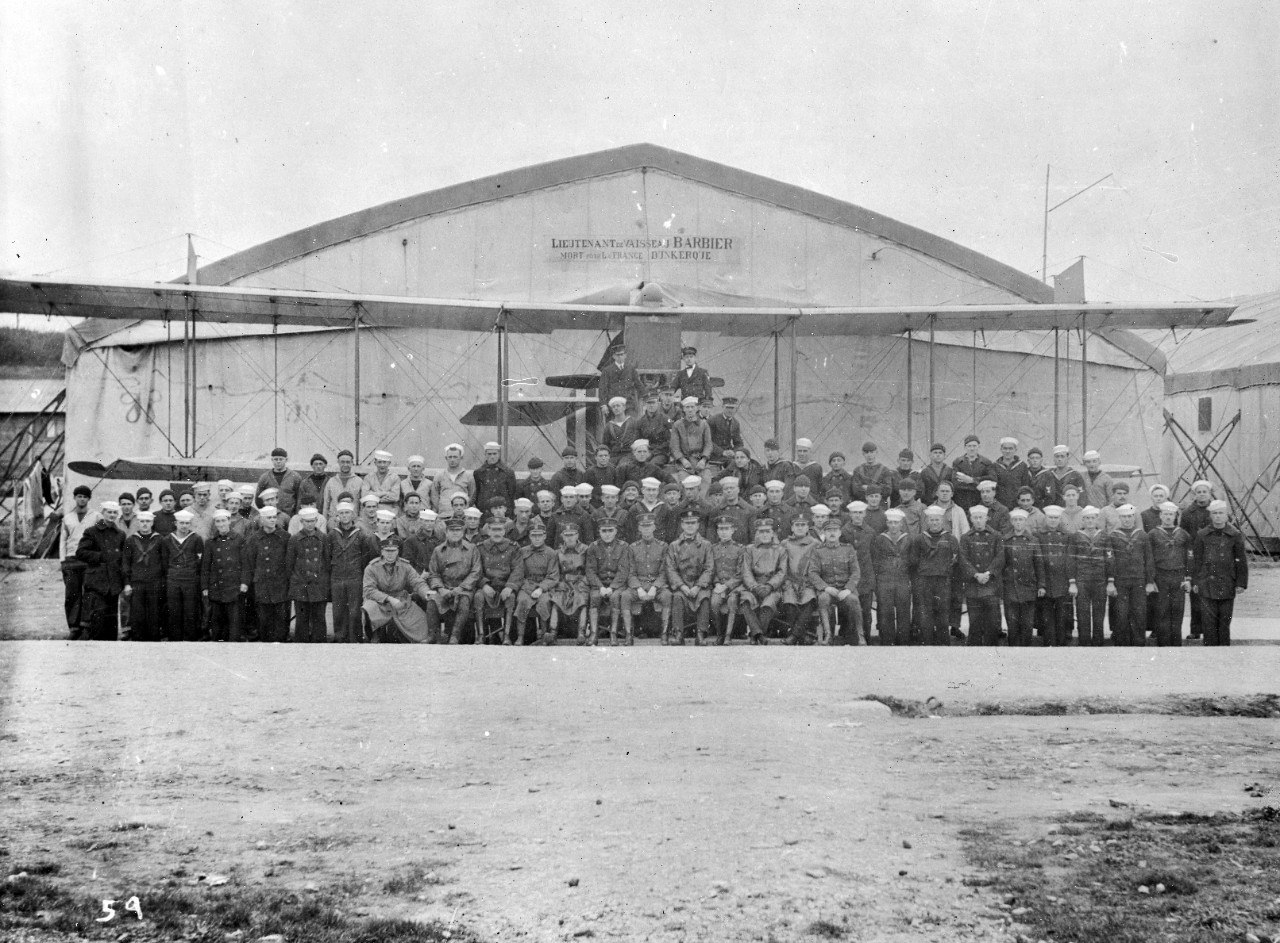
[827, 320]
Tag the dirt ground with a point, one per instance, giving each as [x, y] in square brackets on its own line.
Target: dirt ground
[559, 794]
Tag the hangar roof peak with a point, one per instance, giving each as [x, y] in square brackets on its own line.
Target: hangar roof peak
[617, 160]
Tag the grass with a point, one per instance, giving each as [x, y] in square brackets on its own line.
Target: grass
[1185, 877]
[207, 916]
[414, 878]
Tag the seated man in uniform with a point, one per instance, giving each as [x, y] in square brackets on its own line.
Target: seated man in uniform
[453, 575]
[647, 584]
[535, 577]
[689, 571]
[387, 585]
[764, 568]
[608, 569]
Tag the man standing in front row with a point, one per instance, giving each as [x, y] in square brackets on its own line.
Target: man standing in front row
[307, 562]
[101, 548]
[1221, 573]
[74, 523]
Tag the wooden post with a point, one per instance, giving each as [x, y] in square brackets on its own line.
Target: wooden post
[794, 392]
[355, 324]
[909, 396]
[933, 436]
[777, 389]
[1084, 390]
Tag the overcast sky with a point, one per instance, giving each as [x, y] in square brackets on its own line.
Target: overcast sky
[124, 125]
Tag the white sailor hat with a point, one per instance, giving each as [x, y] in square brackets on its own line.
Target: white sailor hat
[934, 511]
[1052, 510]
[493, 447]
[617, 401]
[544, 493]
[309, 514]
[774, 485]
[473, 514]
[1008, 440]
[1061, 450]
[856, 506]
[650, 483]
[386, 515]
[426, 514]
[1218, 506]
[1130, 509]
[145, 516]
[639, 444]
[370, 498]
[893, 514]
[610, 490]
[1169, 506]
[226, 483]
[246, 491]
[184, 516]
[691, 481]
[382, 455]
[222, 514]
[569, 491]
[270, 512]
[417, 460]
[346, 506]
[584, 489]
[1091, 454]
[523, 504]
[804, 443]
[689, 401]
[268, 493]
[728, 480]
[1017, 514]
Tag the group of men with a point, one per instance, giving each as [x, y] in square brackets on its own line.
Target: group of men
[701, 535]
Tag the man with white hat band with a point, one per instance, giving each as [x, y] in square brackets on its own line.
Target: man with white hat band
[1221, 573]
[222, 573]
[266, 556]
[1010, 472]
[981, 564]
[620, 430]
[690, 439]
[349, 551]
[382, 480]
[494, 479]
[1171, 552]
[142, 571]
[416, 483]
[101, 547]
[1133, 577]
[183, 548]
[285, 480]
[1051, 483]
[933, 555]
[308, 566]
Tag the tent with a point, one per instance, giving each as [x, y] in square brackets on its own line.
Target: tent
[827, 320]
[1222, 394]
